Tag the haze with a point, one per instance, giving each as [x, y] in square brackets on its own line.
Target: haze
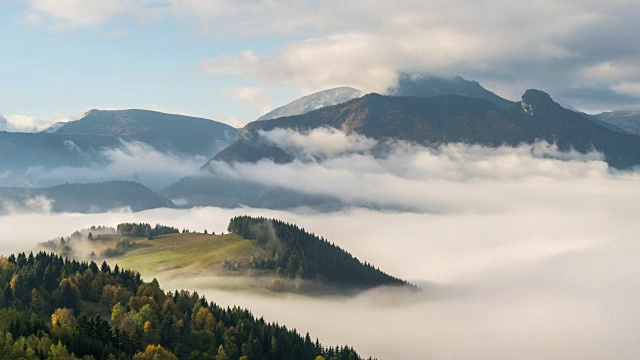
[536, 259]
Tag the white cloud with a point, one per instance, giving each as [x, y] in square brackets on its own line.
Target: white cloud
[363, 172]
[25, 123]
[131, 161]
[627, 88]
[38, 205]
[253, 95]
[66, 14]
[508, 46]
[321, 142]
[547, 273]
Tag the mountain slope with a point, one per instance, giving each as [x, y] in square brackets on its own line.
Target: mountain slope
[83, 198]
[184, 135]
[54, 306]
[313, 101]
[428, 86]
[627, 120]
[21, 151]
[445, 119]
[253, 253]
[425, 121]
[53, 128]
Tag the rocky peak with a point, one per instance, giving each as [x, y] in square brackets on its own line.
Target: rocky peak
[534, 101]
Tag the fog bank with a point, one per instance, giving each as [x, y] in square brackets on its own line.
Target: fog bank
[537, 259]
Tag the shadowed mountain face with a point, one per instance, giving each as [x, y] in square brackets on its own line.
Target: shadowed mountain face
[183, 135]
[445, 119]
[426, 121]
[92, 141]
[313, 102]
[626, 120]
[428, 86]
[20, 151]
[82, 198]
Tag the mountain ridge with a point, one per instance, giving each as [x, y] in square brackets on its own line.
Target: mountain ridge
[167, 132]
[447, 118]
[426, 121]
[312, 102]
[84, 198]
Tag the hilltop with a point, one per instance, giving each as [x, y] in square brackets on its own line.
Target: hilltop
[179, 134]
[257, 253]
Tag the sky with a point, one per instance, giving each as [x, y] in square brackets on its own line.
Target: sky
[232, 61]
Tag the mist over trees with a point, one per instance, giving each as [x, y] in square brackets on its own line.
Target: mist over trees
[56, 308]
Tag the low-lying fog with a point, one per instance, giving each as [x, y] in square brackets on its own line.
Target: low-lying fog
[535, 260]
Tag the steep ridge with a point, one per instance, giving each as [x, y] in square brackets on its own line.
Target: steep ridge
[445, 119]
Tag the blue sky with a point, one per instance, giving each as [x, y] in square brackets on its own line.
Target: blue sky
[56, 74]
[234, 60]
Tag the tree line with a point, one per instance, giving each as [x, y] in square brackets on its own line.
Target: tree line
[56, 308]
[294, 253]
[145, 230]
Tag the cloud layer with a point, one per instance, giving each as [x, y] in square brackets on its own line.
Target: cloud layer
[547, 273]
[24, 123]
[397, 175]
[560, 46]
[134, 161]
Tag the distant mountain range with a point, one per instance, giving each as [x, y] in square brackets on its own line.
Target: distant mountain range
[313, 102]
[83, 143]
[84, 198]
[419, 109]
[408, 85]
[179, 134]
[429, 121]
[627, 120]
[444, 119]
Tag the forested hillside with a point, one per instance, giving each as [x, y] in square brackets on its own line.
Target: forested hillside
[56, 308]
[295, 253]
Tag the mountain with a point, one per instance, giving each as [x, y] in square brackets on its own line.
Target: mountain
[179, 134]
[428, 121]
[54, 307]
[314, 101]
[82, 198]
[627, 120]
[444, 119]
[605, 124]
[21, 151]
[428, 86]
[53, 128]
[101, 138]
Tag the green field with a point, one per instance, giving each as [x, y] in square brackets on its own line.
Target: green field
[186, 254]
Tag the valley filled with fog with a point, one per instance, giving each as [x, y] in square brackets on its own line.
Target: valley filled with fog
[527, 252]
